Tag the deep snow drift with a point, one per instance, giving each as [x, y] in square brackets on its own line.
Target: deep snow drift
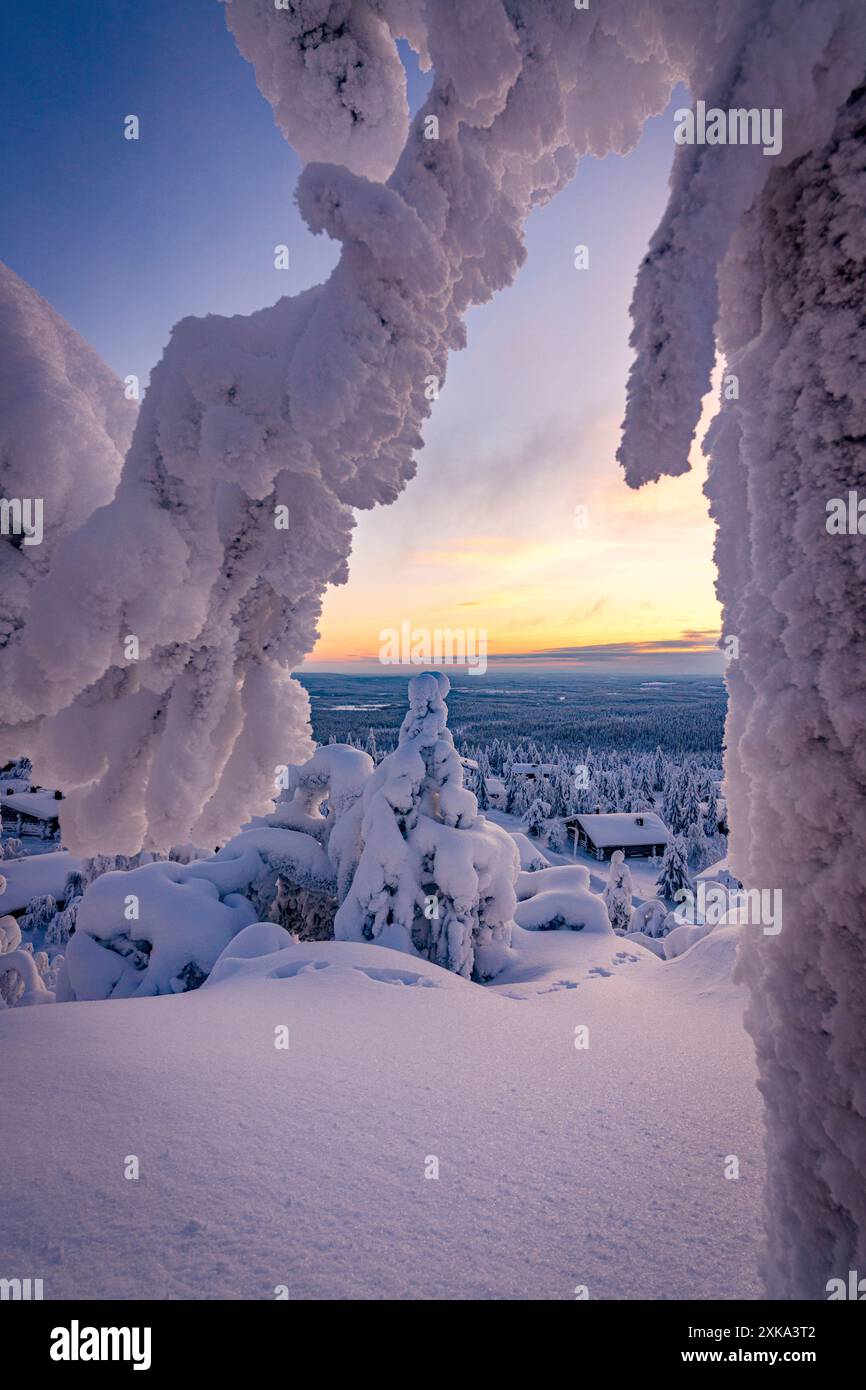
[305, 1167]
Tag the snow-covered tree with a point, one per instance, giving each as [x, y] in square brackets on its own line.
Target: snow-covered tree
[433, 878]
[658, 770]
[674, 873]
[618, 892]
[536, 816]
[481, 794]
[308, 915]
[62, 925]
[696, 847]
[690, 803]
[558, 838]
[39, 913]
[74, 887]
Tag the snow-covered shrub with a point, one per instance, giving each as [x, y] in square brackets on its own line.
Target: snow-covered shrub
[13, 848]
[434, 877]
[322, 790]
[11, 984]
[558, 838]
[308, 915]
[24, 978]
[185, 914]
[618, 892]
[649, 918]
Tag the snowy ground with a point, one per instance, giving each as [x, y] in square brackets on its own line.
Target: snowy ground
[305, 1168]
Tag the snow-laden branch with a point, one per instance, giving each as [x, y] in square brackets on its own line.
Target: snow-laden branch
[795, 57]
[65, 426]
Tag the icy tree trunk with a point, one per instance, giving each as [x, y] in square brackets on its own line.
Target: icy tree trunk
[793, 301]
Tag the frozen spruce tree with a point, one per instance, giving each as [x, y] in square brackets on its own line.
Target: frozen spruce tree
[536, 816]
[711, 815]
[39, 913]
[675, 869]
[618, 893]
[434, 878]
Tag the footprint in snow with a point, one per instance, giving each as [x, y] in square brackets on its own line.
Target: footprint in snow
[297, 967]
[396, 977]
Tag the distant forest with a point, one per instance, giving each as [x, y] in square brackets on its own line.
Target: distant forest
[681, 715]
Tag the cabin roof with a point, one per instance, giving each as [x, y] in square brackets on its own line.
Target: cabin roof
[619, 828]
[41, 805]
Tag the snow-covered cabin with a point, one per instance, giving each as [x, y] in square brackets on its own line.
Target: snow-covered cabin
[34, 812]
[635, 833]
[534, 772]
[496, 793]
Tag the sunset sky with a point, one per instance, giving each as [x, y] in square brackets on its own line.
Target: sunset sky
[526, 430]
[527, 424]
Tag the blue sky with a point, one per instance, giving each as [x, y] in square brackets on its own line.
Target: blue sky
[126, 237]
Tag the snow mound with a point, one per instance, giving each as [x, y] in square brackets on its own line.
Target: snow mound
[36, 876]
[558, 909]
[709, 963]
[531, 857]
[565, 876]
[160, 928]
[648, 943]
[682, 938]
[258, 953]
